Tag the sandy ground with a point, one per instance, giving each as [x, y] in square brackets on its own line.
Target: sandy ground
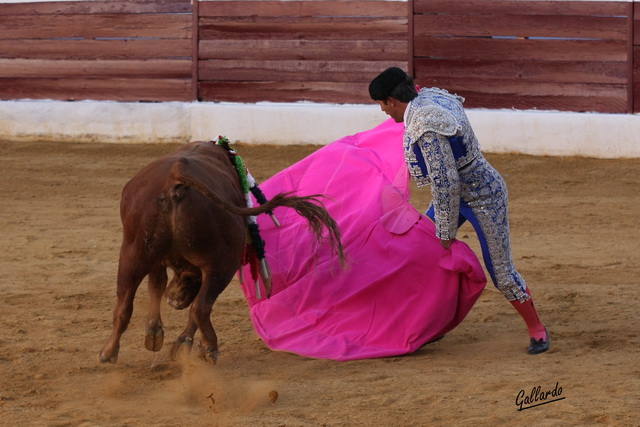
[575, 240]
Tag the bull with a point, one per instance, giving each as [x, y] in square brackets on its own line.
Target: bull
[187, 212]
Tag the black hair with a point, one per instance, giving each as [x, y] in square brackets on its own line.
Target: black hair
[395, 83]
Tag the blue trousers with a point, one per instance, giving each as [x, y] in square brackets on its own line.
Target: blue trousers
[484, 205]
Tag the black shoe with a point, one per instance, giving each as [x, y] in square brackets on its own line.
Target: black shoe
[539, 346]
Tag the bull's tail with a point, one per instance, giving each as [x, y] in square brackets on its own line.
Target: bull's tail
[309, 207]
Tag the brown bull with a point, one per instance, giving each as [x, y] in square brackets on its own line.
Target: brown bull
[187, 212]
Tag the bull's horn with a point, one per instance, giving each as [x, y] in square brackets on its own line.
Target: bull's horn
[265, 273]
[274, 219]
[241, 275]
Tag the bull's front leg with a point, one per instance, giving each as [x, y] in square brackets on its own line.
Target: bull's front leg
[154, 334]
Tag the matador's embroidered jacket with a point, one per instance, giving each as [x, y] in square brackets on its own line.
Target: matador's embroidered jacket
[441, 150]
[439, 141]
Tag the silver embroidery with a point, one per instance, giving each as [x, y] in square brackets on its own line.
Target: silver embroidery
[485, 191]
[436, 110]
[433, 117]
[445, 183]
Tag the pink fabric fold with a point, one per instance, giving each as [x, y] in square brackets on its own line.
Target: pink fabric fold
[399, 290]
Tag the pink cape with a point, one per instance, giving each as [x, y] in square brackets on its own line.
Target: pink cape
[399, 289]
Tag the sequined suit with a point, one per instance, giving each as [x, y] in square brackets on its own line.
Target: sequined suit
[441, 150]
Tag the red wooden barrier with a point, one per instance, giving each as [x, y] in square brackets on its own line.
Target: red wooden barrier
[111, 50]
[558, 55]
[323, 51]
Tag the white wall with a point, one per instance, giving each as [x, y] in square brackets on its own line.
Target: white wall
[499, 131]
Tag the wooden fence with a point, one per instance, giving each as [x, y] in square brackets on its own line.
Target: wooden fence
[323, 51]
[111, 50]
[528, 54]
[559, 55]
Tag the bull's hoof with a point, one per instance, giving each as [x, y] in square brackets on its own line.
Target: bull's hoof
[107, 358]
[209, 355]
[181, 346]
[153, 338]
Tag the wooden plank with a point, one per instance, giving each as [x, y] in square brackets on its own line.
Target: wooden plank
[95, 26]
[526, 71]
[285, 71]
[303, 33]
[340, 93]
[195, 41]
[636, 91]
[591, 104]
[481, 84]
[153, 68]
[96, 89]
[472, 48]
[521, 26]
[492, 94]
[630, 53]
[636, 78]
[410, 36]
[303, 28]
[94, 7]
[635, 13]
[354, 50]
[636, 24]
[303, 8]
[497, 7]
[95, 49]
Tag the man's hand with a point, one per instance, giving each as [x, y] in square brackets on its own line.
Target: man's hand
[445, 244]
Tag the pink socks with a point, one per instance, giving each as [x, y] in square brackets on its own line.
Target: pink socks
[528, 312]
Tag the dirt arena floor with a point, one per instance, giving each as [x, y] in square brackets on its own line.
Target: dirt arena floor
[575, 239]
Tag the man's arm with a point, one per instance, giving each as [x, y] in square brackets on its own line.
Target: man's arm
[445, 184]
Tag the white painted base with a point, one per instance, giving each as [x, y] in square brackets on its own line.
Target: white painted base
[499, 131]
